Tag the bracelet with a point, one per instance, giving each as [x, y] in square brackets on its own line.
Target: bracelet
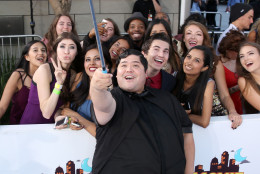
[69, 120]
[58, 86]
[56, 91]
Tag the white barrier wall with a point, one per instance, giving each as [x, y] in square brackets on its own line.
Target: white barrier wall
[224, 150]
[40, 149]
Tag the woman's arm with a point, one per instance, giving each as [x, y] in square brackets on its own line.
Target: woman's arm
[251, 36]
[157, 7]
[203, 119]
[47, 99]
[88, 125]
[10, 88]
[225, 97]
[250, 94]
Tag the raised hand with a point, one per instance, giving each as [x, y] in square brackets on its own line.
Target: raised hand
[100, 80]
[60, 74]
[101, 29]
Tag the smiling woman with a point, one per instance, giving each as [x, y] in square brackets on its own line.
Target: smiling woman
[194, 85]
[248, 65]
[61, 23]
[194, 34]
[118, 45]
[52, 80]
[18, 86]
[79, 104]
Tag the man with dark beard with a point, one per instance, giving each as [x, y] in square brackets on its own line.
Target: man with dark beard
[135, 26]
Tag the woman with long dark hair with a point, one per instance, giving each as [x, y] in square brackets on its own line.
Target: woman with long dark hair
[195, 87]
[18, 86]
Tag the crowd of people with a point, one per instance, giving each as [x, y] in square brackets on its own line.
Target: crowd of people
[157, 85]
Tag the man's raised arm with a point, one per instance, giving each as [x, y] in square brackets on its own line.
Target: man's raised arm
[103, 102]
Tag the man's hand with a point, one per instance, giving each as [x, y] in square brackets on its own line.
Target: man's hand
[101, 81]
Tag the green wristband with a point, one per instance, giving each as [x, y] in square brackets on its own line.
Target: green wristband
[56, 91]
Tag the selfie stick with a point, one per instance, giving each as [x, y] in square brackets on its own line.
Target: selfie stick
[97, 38]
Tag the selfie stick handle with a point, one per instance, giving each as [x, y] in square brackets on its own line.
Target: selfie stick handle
[97, 38]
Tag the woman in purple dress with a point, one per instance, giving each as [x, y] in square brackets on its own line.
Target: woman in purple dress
[52, 82]
[17, 87]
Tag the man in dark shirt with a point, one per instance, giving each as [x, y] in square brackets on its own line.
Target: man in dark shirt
[139, 130]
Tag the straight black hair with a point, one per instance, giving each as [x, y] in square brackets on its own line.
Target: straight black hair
[80, 94]
[22, 62]
[198, 89]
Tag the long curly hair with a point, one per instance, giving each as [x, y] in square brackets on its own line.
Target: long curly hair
[198, 89]
[231, 41]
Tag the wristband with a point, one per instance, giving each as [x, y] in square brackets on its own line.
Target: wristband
[58, 86]
[69, 120]
[56, 91]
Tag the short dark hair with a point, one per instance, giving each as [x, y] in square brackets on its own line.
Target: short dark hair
[126, 54]
[136, 53]
[158, 36]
